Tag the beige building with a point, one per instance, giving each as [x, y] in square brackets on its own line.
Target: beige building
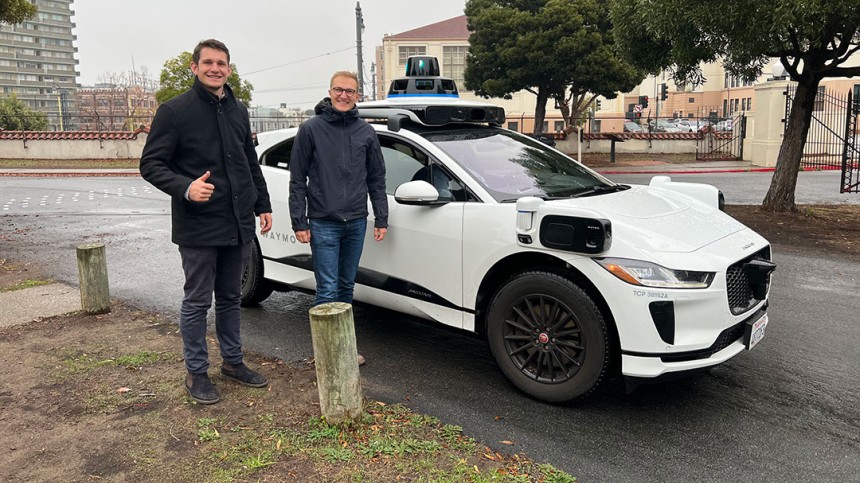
[720, 96]
[448, 41]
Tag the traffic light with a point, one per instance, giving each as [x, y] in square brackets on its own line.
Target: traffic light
[664, 91]
[597, 105]
[643, 101]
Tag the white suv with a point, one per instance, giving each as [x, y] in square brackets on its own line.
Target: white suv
[572, 278]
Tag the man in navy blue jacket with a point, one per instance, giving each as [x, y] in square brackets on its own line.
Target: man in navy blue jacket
[335, 164]
[199, 151]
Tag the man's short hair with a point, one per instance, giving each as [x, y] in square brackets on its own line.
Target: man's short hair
[343, 73]
[212, 44]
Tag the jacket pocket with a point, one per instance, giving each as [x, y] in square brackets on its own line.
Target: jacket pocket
[358, 155]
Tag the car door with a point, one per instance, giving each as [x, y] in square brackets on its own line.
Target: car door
[417, 269]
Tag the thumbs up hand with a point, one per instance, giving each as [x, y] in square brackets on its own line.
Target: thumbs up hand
[201, 190]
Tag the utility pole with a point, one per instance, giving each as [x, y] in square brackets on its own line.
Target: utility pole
[373, 78]
[359, 28]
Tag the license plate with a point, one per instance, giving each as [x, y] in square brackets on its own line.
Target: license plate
[755, 331]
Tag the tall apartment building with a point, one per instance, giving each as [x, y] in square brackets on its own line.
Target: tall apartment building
[37, 62]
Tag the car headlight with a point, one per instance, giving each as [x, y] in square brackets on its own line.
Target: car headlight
[647, 274]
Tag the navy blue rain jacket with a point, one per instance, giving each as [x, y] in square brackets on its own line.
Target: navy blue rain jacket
[335, 164]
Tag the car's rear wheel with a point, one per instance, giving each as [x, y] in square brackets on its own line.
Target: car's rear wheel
[255, 288]
[548, 337]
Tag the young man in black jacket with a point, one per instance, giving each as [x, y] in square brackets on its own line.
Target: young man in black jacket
[199, 151]
[335, 164]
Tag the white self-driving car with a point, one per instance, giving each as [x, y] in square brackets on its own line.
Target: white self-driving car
[572, 278]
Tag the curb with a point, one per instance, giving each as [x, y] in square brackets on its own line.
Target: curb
[686, 171]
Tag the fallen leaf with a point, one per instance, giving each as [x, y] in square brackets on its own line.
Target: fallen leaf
[506, 442]
[123, 390]
[489, 456]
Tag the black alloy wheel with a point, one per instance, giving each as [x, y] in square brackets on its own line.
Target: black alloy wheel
[548, 337]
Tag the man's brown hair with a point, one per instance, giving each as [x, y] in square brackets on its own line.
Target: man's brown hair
[212, 44]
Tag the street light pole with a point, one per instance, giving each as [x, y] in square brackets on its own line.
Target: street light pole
[359, 28]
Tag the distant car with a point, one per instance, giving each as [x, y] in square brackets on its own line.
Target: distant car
[630, 126]
[662, 125]
[724, 125]
[544, 138]
[686, 126]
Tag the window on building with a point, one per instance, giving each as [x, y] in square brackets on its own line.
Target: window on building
[514, 126]
[819, 99]
[691, 100]
[545, 126]
[454, 62]
[558, 126]
[406, 51]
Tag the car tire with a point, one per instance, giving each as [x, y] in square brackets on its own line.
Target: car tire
[548, 337]
[255, 288]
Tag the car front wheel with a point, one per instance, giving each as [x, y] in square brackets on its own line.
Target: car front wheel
[255, 288]
[548, 337]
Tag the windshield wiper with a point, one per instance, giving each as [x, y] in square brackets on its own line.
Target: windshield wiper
[600, 190]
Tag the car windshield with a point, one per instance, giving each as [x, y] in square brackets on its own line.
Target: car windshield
[511, 166]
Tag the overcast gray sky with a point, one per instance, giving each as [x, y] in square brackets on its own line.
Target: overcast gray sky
[315, 37]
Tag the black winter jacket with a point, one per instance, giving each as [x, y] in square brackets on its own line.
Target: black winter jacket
[193, 133]
[335, 163]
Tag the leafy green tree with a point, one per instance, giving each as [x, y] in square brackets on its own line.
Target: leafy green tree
[16, 11]
[15, 115]
[812, 39]
[555, 49]
[176, 78]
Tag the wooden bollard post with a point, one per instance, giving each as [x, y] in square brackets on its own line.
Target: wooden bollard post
[93, 275]
[336, 360]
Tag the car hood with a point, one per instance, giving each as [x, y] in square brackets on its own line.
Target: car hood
[651, 219]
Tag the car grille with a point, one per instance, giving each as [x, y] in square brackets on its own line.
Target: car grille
[738, 289]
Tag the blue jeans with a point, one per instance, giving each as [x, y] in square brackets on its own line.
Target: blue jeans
[208, 270]
[336, 247]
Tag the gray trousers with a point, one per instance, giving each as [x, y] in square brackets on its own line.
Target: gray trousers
[208, 270]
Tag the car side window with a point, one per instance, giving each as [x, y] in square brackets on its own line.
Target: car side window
[403, 163]
[279, 156]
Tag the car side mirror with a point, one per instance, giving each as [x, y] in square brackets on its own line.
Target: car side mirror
[417, 193]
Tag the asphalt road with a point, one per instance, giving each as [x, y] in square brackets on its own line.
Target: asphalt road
[788, 410]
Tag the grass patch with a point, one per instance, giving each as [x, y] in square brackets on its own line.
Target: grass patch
[25, 284]
[69, 163]
[83, 362]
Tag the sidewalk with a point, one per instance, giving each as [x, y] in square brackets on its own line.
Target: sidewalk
[620, 167]
[696, 167]
[24, 305]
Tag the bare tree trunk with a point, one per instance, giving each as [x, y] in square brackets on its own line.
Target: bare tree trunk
[780, 195]
[540, 110]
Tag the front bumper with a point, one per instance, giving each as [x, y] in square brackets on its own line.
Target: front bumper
[656, 366]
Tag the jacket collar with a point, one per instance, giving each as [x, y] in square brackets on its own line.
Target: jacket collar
[208, 96]
[330, 114]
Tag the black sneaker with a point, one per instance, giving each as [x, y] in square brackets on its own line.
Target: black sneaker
[242, 374]
[201, 388]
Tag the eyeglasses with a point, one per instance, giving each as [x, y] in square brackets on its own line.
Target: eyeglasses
[340, 90]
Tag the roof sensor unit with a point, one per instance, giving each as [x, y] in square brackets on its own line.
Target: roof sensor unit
[422, 79]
